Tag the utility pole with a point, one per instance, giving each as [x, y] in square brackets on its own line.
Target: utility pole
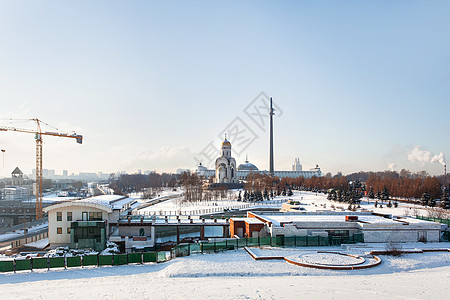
[25, 224]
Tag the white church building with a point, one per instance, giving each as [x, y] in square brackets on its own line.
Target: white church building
[225, 165]
[226, 171]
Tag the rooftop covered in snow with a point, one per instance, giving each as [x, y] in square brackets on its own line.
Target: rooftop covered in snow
[280, 219]
[107, 202]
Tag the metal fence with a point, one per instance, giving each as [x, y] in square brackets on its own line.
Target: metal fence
[294, 241]
[438, 220]
[221, 207]
[35, 263]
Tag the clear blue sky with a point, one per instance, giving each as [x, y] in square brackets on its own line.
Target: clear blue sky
[150, 84]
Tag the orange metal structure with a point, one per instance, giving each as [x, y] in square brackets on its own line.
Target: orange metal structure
[38, 136]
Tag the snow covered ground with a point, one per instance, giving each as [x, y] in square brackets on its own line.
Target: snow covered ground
[235, 275]
[319, 202]
[177, 206]
[311, 202]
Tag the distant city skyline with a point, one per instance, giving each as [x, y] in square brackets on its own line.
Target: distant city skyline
[63, 174]
[150, 85]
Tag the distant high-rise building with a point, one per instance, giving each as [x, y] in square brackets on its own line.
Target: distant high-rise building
[65, 173]
[297, 166]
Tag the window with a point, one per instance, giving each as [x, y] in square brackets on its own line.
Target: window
[69, 216]
[338, 233]
[95, 216]
[68, 230]
[87, 233]
[59, 230]
[142, 232]
[59, 216]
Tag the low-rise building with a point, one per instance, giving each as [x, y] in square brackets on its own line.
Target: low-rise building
[246, 227]
[91, 222]
[85, 223]
[140, 231]
[375, 228]
[14, 193]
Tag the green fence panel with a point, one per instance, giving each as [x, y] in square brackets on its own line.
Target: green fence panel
[290, 241]
[313, 240]
[230, 244]
[264, 241]
[149, 257]
[301, 241]
[161, 256]
[278, 241]
[252, 241]
[105, 260]
[324, 241]
[446, 236]
[23, 264]
[40, 263]
[242, 243]
[181, 250]
[208, 247]
[195, 248]
[74, 261]
[220, 246]
[90, 260]
[120, 259]
[134, 258]
[444, 221]
[336, 240]
[6, 265]
[57, 262]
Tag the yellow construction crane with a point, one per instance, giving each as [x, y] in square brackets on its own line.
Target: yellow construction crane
[38, 136]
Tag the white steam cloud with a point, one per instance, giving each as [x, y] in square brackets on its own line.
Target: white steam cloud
[392, 165]
[440, 158]
[421, 157]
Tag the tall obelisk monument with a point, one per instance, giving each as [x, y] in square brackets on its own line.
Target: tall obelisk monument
[271, 113]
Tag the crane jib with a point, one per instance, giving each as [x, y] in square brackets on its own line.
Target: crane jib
[38, 136]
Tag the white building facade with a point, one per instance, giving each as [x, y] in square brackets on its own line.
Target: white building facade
[225, 165]
[375, 228]
[85, 223]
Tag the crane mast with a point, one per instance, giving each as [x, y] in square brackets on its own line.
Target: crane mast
[39, 175]
[38, 136]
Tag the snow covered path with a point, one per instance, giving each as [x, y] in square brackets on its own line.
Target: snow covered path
[235, 275]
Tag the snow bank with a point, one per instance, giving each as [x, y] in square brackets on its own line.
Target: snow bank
[235, 275]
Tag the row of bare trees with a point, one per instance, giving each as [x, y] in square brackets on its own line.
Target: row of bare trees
[194, 191]
[127, 183]
[411, 186]
[403, 184]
